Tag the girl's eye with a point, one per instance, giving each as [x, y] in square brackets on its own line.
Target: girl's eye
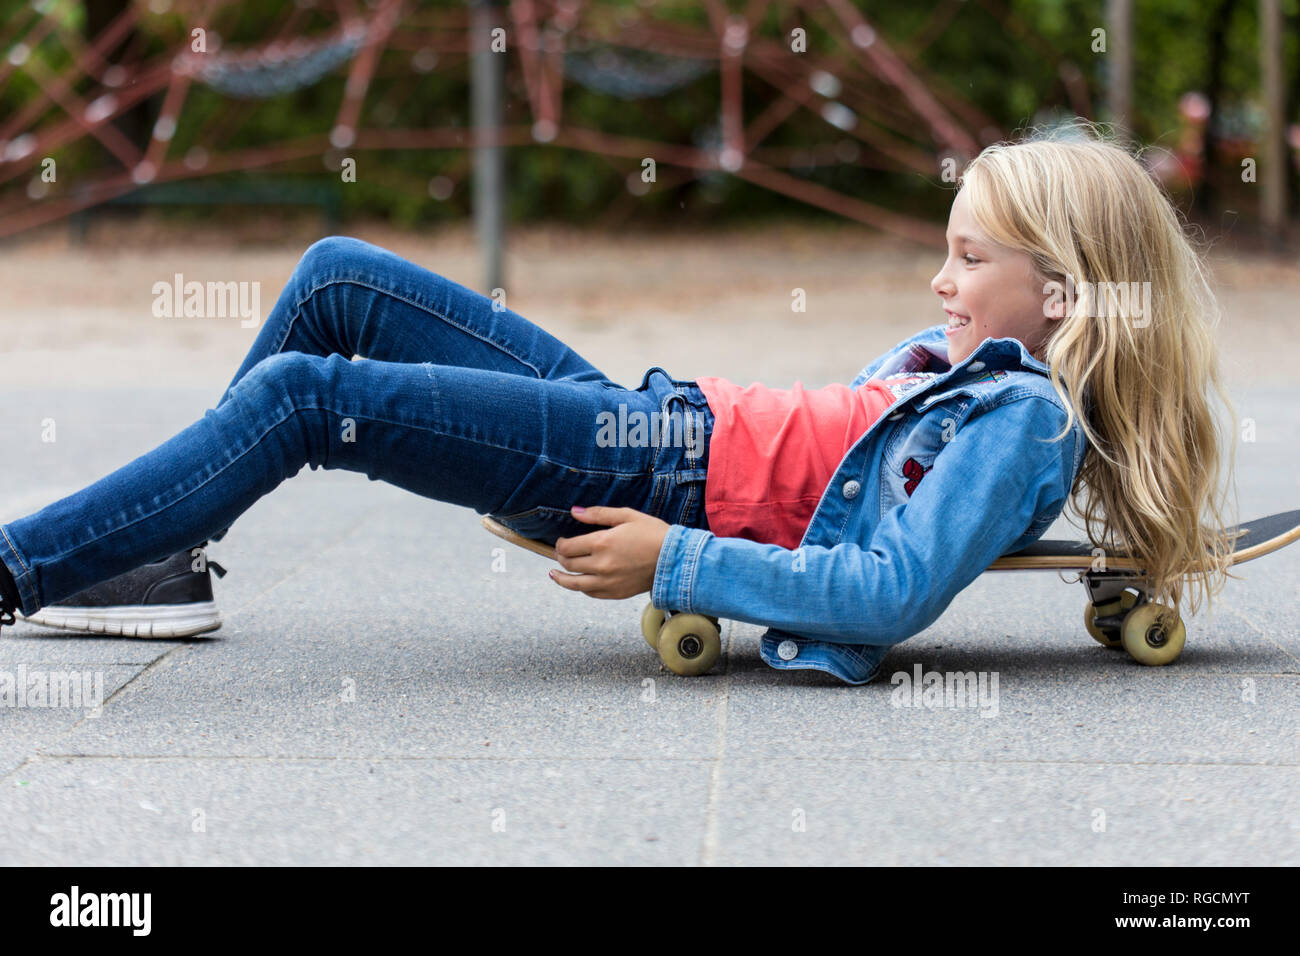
[969, 258]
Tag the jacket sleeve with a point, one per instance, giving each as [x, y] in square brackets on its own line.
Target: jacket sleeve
[985, 489]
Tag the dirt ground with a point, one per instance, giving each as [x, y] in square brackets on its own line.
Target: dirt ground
[716, 303]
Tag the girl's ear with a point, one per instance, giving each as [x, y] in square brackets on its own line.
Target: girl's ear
[1057, 296]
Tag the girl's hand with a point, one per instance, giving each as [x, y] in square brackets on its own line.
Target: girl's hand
[615, 562]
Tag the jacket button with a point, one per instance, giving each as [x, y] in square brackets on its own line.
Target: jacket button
[851, 489]
[787, 650]
[975, 366]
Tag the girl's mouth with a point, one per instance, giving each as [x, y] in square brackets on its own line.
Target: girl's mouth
[956, 322]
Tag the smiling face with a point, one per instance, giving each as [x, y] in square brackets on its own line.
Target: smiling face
[988, 290]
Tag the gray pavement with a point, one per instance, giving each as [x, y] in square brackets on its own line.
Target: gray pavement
[379, 694]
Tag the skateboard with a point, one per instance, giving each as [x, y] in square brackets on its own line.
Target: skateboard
[1119, 613]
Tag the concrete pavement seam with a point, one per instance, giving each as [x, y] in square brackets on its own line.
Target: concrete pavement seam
[709, 849]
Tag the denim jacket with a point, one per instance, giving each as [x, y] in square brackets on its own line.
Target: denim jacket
[962, 471]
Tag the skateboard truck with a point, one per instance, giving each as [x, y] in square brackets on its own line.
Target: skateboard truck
[1120, 614]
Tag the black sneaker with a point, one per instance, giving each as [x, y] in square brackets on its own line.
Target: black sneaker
[167, 598]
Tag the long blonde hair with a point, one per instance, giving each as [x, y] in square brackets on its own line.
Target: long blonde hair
[1139, 379]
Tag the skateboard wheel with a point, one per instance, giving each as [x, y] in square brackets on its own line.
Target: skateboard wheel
[1108, 636]
[689, 644]
[1153, 634]
[652, 619]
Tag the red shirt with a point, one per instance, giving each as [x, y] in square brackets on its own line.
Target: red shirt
[773, 451]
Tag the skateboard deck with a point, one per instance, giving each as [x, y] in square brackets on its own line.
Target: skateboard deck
[1119, 613]
[1253, 539]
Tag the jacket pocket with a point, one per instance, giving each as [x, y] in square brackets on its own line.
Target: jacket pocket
[960, 397]
[917, 440]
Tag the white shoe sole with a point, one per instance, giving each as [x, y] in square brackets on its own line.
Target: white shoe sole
[148, 621]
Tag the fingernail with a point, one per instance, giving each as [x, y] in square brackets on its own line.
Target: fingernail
[579, 508]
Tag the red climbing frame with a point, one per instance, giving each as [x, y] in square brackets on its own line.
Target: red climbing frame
[864, 89]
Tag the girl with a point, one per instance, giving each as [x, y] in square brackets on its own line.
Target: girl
[845, 519]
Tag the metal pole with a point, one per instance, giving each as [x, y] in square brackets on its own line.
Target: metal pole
[1119, 95]
[489, 162]
[1272, 160]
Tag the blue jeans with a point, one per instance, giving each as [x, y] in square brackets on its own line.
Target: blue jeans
[454, 398]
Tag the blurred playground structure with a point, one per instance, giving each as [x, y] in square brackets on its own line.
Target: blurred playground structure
[126, 74]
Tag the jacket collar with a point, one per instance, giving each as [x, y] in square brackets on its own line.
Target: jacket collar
[930, 349]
